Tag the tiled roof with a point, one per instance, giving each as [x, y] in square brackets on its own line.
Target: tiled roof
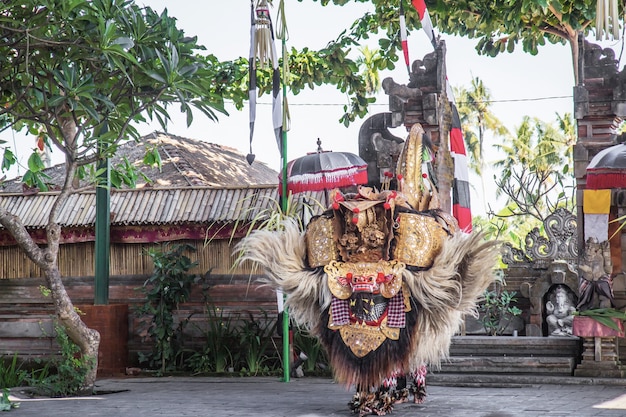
[147, 206]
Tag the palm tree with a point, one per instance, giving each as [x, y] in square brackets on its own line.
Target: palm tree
[369, 62]
[536, 167]
[476, 120]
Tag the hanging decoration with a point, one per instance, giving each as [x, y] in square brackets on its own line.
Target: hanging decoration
[263, 49]
[607, 21]
[596, 210]
[283, 34]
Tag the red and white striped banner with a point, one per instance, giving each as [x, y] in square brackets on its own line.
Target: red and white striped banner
[461, 208]
[403, 39]
[460, 187]
[427, 24]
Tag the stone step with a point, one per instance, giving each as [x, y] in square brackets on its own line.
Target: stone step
[515, 380]
[538, 365]
[515, 346]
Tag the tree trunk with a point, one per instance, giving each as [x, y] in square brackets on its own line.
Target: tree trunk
[88, 340]
[573, 44]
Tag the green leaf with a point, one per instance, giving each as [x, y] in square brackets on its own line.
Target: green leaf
[8, 159]
[116, 179]
[35, 164]
[606, 321]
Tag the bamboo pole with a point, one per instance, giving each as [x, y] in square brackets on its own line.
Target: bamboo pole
[282, 33]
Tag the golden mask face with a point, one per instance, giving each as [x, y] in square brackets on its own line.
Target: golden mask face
[382, 277]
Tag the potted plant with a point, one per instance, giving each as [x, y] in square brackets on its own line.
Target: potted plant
[496, 310]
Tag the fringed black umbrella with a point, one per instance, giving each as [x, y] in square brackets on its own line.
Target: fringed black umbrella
[607, 169]
[325, 170]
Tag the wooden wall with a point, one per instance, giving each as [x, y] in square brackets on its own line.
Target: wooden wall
[26, 315]
[77, 259]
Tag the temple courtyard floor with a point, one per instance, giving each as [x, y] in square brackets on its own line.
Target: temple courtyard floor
[321, 397]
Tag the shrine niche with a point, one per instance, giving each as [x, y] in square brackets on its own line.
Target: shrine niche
[546, 265]
[560, 305]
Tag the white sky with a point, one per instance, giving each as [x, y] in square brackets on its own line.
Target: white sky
[520, 84]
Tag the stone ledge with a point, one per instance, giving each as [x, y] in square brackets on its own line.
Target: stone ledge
[510, 365]
[521, 346]
[485, 380]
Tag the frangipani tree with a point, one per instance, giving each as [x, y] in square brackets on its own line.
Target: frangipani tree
[498, 25]
[80, 75]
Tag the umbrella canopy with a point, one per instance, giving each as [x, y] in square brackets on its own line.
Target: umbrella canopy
[608, 168]
[325, 170]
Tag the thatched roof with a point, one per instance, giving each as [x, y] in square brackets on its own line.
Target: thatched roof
[185, 163]
[199, 183]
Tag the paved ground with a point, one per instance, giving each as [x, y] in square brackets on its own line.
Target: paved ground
[319, 397]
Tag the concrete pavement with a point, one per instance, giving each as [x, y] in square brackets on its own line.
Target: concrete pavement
[318, 397]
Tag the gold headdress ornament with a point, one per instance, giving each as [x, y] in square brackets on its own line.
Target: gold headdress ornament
[418, 191]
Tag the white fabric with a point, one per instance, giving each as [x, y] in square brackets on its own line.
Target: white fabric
[597, 226]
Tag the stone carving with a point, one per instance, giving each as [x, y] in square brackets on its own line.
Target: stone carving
[560, 227]
[379, 147]
[560, 243]
[559, 310]
[596, 284]
[403, 92]
[599, 62]
[511, 255]
[424, 72]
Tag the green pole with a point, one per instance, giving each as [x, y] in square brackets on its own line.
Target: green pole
[103, 222]
[284, 201]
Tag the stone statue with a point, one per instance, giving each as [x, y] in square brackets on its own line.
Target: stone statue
[379, 147]
[596, 283]
[559, 308]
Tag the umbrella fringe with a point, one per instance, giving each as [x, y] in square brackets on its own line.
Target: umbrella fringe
[344, 177]
[599, 181]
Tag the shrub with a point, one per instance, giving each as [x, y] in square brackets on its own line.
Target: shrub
[11, 373]
[68, 372]
[255, 337]
[496, 309]
[167, 287]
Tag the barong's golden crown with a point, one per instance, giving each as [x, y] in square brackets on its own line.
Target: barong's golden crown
[372, 226]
